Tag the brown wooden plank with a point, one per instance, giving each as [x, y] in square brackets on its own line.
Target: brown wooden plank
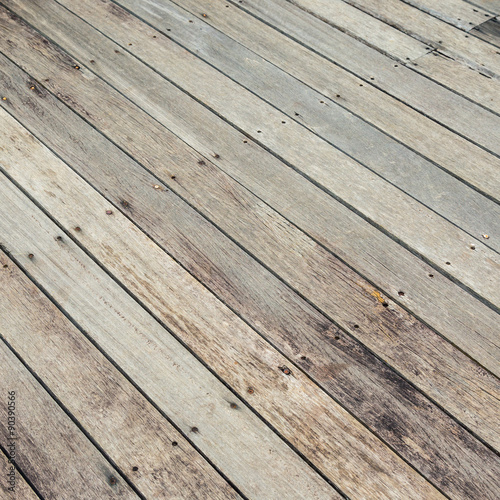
[435, 293]
[13, 485]
[51, 450]
[376, 395]
[117, 417]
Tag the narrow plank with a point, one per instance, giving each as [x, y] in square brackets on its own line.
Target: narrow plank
[117, 417]
[489, 31]
[382, 398]
[51, 450]
[460, 318]
[421, 179]
[328, 436]
[398, 80]
[18, 489]
[462, 78]
[467, 260]
[456, 12]
[432, 31]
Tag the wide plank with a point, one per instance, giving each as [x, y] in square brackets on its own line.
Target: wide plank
[489, 5]
[472, 326]
[136, 437]
[448, 248]
[13, 485]
[382, 397]
[392, 77]
[53, 453]
[419, 178]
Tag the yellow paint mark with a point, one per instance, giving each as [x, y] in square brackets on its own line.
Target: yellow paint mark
[378, 296]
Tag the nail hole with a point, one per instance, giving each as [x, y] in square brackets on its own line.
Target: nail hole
[30, 256]
[201, 162]
[172, 177]
[174, 443]
[5, 266]
[385, 304]
[195, 430]
[245, 142]
[356, 326]
[259, 131]
[283, 122]
[135, 469]
[401, 294]
[59, 238]
[109, 212]
[448, 263]
[473, 247]
[431, 276]
[215, 155]
[337, 337]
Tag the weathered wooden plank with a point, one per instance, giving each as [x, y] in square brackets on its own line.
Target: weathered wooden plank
[489, 31]
[460, 77]
[421, 179]
[447, 247]
[432, 31]
[332, 439]
[119, 419]
[13, 486]
[396, 79]
[381, 397]
[51, 450]
[468, 323]
[456, 12]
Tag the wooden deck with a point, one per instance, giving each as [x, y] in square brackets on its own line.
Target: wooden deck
[250, 249]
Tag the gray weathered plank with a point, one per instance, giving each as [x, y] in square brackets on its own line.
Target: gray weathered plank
[468, 323]
[457, 12]
[489, 5]
[236, 440]
[136, 437]
[328, 436]
[421, 179]
[381, 397]
[51, 450]
[447, 247]
[19, 488]
[420, 93]
[489, 31]
[430, 30]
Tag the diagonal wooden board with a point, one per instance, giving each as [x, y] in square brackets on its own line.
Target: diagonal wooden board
[21, 490]
[284, 318]
[48, 443]
[445, 246]
[119, 419]
[435, 294]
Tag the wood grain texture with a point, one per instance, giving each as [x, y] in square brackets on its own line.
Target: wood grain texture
[444, 245]
[433, 32]
[396, 79]
[49, 444]
[376, 395]
[421, 179]
[126, 427]
[232, 437]
[448, 307]
[456, 12]
[489, 31]
[21, 490]
[333, 440]
[489, 5]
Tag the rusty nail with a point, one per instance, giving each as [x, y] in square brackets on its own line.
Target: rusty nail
[251, 390]
[157, 186]
[195, 430]
[130, 44]
[77, 229]
[285, 370]
[30, 256]
[204, 15]
[215, 155]
[109, 212]
[92, 61]
[234, 406]
[4, 98]
[201, 162]
[32, 87]
[125, 203]
[112, 480]
[76, 66]
[485, 236]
